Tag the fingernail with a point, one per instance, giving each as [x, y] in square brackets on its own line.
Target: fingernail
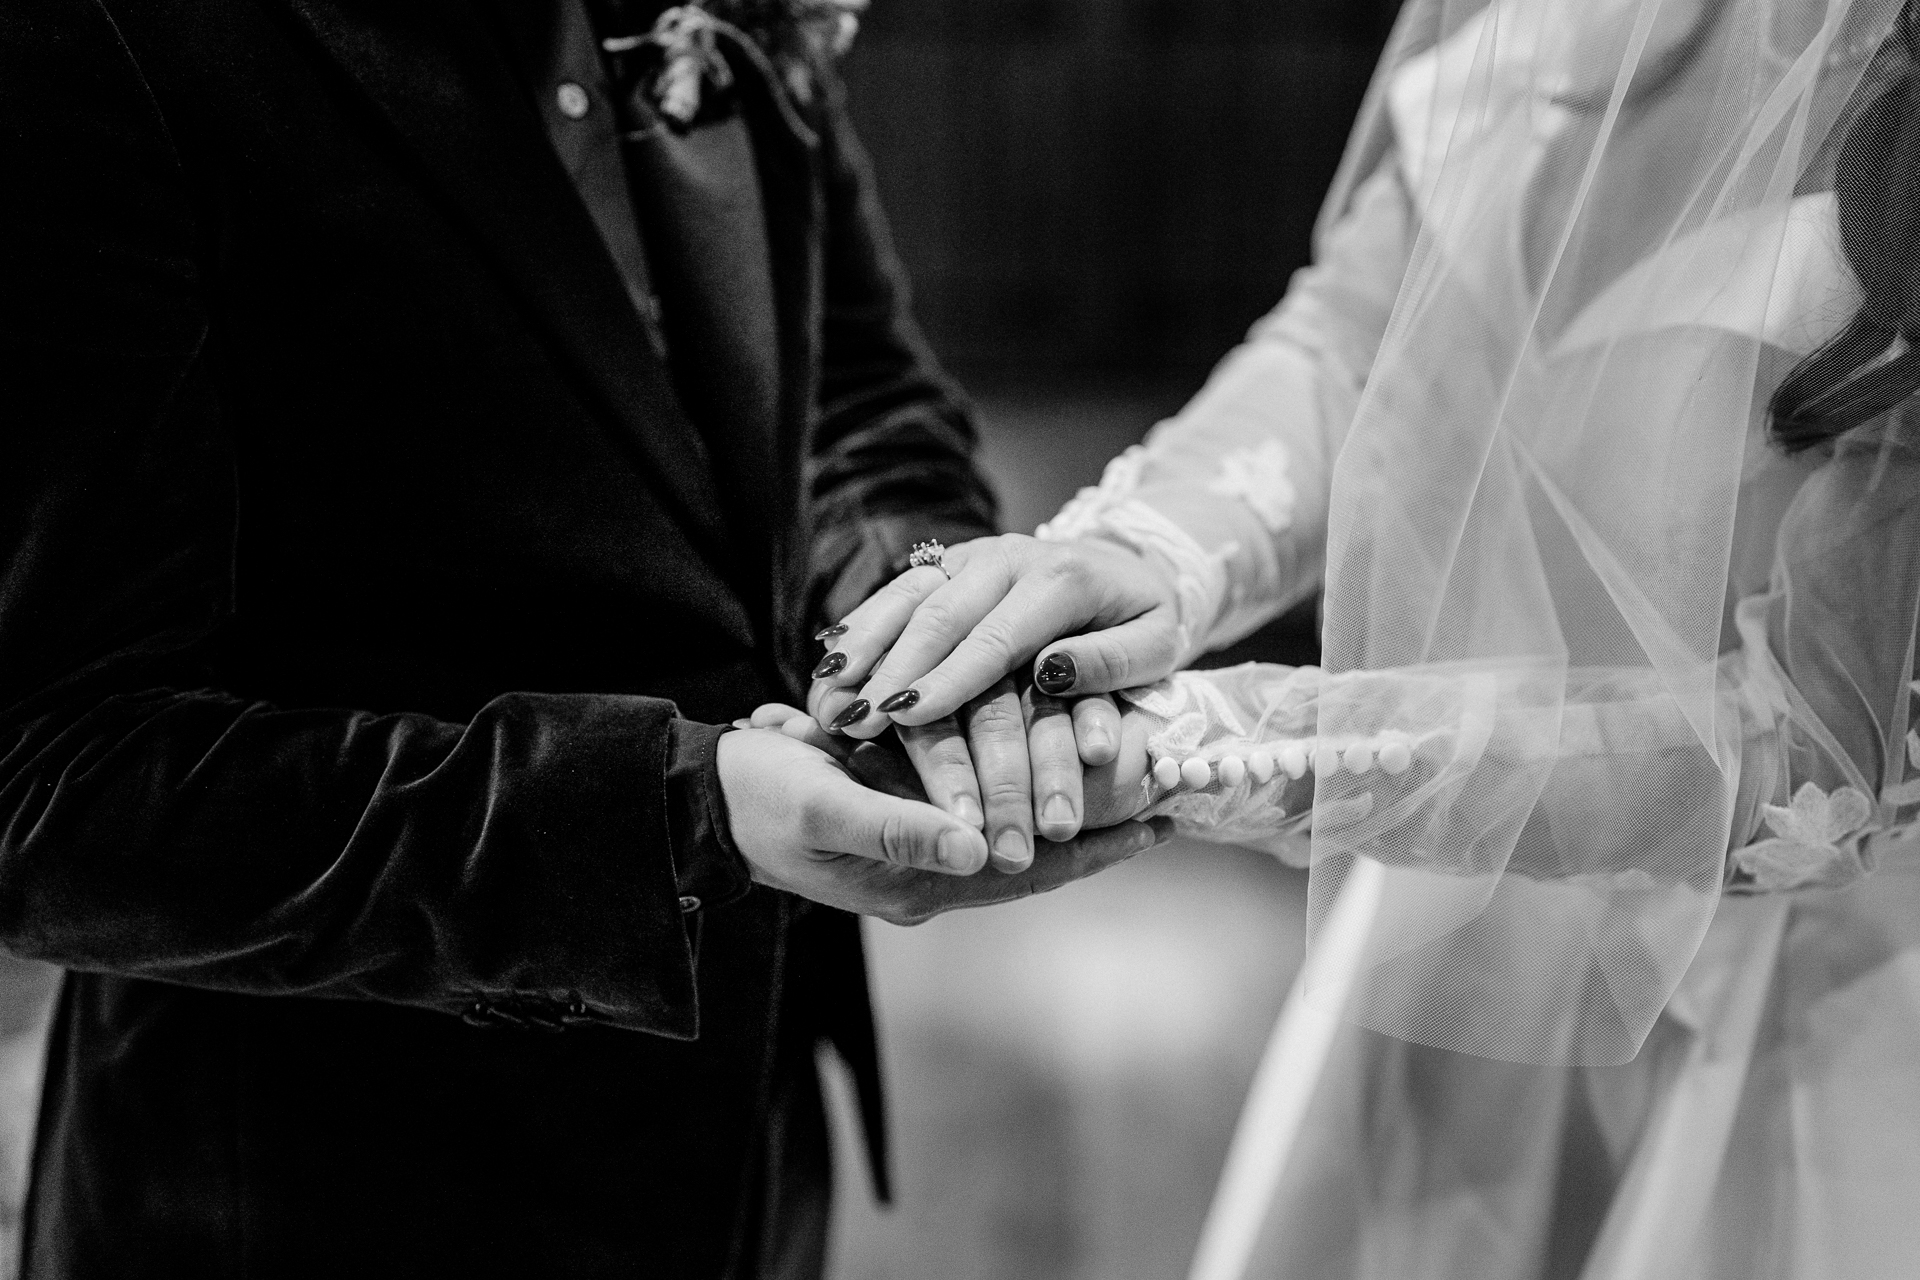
[1058, 811]
[958, 851]
[1097, 740]
[900, 701]
[856, 711]
[1056, 674]
[1013, 848]
[968, 812]
[831, 665]
[825, 634]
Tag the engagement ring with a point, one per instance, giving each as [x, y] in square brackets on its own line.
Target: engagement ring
[930, 553]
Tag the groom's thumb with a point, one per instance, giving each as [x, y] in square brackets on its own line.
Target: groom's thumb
[850, 818]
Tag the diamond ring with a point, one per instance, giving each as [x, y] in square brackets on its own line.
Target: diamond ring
[931, 554]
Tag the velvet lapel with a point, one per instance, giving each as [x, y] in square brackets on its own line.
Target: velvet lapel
[439, 79]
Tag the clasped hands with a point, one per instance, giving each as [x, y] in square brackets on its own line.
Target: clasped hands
[996, 682]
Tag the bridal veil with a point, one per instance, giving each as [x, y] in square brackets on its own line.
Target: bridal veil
[1642, 656]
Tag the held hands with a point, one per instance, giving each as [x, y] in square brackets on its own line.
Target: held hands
[806, 825]
[932, 657]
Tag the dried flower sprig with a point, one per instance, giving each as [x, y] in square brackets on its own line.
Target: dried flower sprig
[797, 36]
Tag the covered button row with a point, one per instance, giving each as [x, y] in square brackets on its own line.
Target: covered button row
[1392, 756]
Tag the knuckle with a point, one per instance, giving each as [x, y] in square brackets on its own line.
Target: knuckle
[936, 616]
[994, 716]
[897, 842]
[1112, 657]
[1067, 570]
[996, 636]
[1005, 791]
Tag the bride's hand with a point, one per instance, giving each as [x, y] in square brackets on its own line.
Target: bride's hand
[924, 647]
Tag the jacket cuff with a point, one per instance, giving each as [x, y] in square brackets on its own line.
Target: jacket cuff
[709, 870]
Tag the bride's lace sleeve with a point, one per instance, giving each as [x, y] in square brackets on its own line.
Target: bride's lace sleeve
[1559, 836]
[1232, 492]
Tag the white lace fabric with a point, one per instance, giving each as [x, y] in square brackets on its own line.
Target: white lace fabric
[1513, 422]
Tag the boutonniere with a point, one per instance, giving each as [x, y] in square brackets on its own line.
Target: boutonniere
[797, 37]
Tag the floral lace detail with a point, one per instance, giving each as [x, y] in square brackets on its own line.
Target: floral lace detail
[1816, 842]
[1260, 477]
[1110, 511]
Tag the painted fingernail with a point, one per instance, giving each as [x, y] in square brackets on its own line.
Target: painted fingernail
[968, 812]
[1013, 848]
[856, 712]
[1056, 674]
[900, 701]
[958, 851]
[1057, 811]
[831, 665]
[825, 634]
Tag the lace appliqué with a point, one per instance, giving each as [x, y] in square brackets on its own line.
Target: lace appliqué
[1110, 511]
[1259, 477]
[1816, 843]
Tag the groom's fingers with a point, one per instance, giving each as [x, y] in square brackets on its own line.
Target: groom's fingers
[1056, 865]
[940, 756]
[996, 731]
[842, 816]
[1055, 760]
[1096, 729]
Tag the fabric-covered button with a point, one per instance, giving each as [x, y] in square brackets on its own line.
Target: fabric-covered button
[1166, 772]
[1293, 758]
[1359, 757]
[689, 904]
[572, 100]
[1195, 773]
[1326, 761]
[1260, 764]
[1233, 771]
[1395, 757]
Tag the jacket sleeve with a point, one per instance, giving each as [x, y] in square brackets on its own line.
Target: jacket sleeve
[155, 827]
[894, 439]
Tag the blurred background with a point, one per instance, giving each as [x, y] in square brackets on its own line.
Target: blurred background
[1095, 199]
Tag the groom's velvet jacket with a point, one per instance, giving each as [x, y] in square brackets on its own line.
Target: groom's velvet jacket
[366, 599]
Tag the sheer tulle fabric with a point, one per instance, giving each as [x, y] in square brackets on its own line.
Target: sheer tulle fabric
[1516, 416]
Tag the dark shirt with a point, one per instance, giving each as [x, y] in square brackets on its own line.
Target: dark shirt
[679, 211]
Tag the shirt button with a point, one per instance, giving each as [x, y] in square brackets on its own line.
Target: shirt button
[572, 100]
[689, 904]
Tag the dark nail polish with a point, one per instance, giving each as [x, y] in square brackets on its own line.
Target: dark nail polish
[900, 701]
[856, 711]
[831, 665]
[1056, 674]
[825, 634]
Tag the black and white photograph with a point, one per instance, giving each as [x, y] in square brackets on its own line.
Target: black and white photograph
[960, 639]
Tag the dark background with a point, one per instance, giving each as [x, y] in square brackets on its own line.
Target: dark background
[1100, 187]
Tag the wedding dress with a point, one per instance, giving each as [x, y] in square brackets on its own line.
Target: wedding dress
[1607, 784]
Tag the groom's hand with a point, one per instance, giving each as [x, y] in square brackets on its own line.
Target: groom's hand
[804, 825]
